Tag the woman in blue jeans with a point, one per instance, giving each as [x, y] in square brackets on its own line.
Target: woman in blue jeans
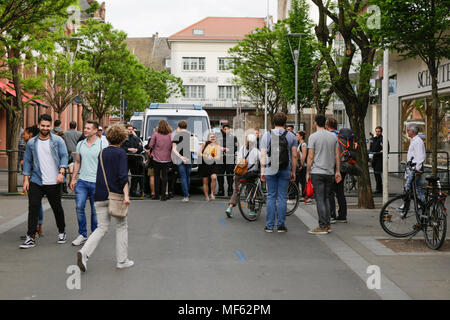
[182, 150]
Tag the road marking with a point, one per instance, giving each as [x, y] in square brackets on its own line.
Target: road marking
[222, 221]
[240, 255]
[389, 290]
[4, 227]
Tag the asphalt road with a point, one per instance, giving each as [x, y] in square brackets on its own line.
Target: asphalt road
[181, 251]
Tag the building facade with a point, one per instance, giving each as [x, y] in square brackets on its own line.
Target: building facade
[199, 56]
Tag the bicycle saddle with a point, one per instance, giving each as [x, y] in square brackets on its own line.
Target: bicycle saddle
[432, 178]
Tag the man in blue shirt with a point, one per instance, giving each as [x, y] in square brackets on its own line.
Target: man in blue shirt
[276, 171]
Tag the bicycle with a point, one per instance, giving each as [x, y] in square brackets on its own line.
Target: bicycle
[399, 221]
[252, 197]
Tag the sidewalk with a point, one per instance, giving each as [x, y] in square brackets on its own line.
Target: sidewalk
[407, 268]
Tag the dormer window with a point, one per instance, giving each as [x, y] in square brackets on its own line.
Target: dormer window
[198, 32]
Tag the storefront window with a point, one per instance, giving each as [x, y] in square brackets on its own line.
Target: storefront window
[419, 112]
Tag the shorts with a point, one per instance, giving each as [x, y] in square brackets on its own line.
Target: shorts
[206, 170]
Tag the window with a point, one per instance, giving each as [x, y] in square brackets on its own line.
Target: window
[198, 32]
[393, 84]
[193, 64]
[225, 64]
[195, 92]
[228, 92]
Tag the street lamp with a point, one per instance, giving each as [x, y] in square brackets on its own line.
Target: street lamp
[72, 59]
[295, 54]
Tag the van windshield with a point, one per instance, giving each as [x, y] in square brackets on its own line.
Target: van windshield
[197, 125]
[137, 124]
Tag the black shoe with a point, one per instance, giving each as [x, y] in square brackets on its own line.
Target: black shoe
[170, 195]
[164, 197]
[230, 193]
[341, 220]
[282, 229]
[155, 197]
[220, 193]
[266, 229]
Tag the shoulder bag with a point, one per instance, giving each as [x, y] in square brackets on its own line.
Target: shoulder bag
[241, 167]
[116, 207]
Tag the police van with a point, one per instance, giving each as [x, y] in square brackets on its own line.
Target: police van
[197, 123]
[136, 121]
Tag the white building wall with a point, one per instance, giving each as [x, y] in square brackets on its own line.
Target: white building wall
[211, 77]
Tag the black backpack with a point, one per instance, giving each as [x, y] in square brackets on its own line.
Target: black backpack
[282, 149]
[347, 145]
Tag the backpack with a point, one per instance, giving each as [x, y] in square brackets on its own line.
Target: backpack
[347, 145]
[282, 150]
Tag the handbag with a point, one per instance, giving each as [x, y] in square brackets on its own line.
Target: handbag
[116, 207]
[309, 190]
[241, 167]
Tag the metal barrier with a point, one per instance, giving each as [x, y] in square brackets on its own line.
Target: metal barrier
[17, 171]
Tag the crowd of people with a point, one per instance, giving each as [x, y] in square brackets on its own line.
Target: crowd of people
[99, 162]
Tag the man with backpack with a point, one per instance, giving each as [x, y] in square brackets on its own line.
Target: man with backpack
[337, 189]
[323, 168]
[278, 166]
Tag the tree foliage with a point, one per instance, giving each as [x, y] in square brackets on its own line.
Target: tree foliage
[297, 22]
[424, 33]
[257, 62]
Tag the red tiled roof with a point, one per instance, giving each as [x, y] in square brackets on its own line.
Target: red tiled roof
[220, 28]
[9, 88]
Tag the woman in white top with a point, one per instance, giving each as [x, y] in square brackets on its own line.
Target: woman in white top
[251, 154]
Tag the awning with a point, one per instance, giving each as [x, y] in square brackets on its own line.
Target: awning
[9, 88]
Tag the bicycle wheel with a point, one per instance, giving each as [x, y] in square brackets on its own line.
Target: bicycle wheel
[436, 226]
[396, 221]
[349, 183]
[293, 198]
[250, 201]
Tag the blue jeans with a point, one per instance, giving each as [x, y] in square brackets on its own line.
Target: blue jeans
[185, 175]
[277, 189]
[418, 185]
[83, 191]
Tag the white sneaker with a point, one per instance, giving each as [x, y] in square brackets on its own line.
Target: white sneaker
[82, 261]
[79, 240]
[62, 238]
[127, 264]
[186, 199]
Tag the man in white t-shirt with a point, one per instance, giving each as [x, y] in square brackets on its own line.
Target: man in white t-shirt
[45, 163]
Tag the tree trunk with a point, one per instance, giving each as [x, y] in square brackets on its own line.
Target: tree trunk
[435, 135]
[365, 199]
[15, 120]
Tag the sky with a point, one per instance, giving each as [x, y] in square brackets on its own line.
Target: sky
[143, 18]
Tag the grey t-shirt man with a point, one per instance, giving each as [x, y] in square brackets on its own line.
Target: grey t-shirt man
[324, 144]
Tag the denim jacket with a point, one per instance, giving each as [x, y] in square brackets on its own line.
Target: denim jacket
[31, 162]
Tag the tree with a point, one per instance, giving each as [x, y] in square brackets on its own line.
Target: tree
[257, 62]
[424, 33]
[66, 78]
[347, 22]
[297, 22]
[115, 72]
[26, 27]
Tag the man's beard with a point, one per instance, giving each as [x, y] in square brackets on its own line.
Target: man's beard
[45, 133]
